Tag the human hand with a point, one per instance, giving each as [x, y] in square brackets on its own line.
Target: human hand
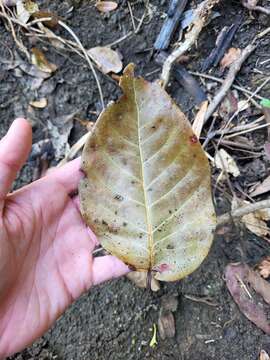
[45, 248]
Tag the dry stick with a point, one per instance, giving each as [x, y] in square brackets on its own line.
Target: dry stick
[233, 71]
[214, 78]
[61, 23]
[18, 43]
[243, 210]
[201, 16]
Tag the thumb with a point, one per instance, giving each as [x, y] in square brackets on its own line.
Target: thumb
[14, 150]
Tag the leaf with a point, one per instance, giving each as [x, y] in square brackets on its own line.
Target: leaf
[146, 173]
[256, 222]
[39, 59]
[39, 104]
[106, 6]
[25, 9]
[265, 103]
[264, 267]
[230, 57]
[238, 277]
[51, 23]
[224, 161]
[106, 59]
[199, 119]
[262, 188]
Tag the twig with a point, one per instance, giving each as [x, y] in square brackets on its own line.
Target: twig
[214, 78]
[243, 210]
[233, 71]
[78, 41]
[201, 16]
[222, 44]
[250, 7]
[18, 43]
[170, 25]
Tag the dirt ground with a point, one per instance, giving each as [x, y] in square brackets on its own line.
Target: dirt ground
[115, 321]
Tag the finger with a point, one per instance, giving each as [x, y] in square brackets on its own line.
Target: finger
[69, 175]
[106, 268]
[14, 150]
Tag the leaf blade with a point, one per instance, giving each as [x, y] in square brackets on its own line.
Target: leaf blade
[164, 167]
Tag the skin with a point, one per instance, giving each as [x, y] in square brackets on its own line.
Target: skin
[46, 249]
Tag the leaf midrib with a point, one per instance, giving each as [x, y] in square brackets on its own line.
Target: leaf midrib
[147, 212]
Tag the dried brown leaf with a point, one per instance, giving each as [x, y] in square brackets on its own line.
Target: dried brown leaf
[238, 278]
[52, 23]
[39, 104]
[25, 8]
[166, 325]
[264, 268]
[199, 119]
[106, 6]
[39, 59]
[230, 57]
[224, 161]
[254, 221]
[146, 172]
[262, 188]
[106, 59]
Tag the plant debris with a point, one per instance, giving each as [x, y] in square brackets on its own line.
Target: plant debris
[240, 280]
[230, 57]
[264, 267]
[106, 59]
[106, 6]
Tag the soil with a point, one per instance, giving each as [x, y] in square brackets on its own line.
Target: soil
[115, 321]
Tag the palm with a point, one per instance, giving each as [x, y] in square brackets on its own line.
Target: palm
[45, 257]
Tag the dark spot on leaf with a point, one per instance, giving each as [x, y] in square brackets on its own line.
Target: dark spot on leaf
[115, 212]
[119, 197]
[193, 139]
[170, 247]
[104, 223]
[124, 224]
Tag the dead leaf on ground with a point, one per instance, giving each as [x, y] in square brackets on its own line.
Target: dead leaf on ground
[39, 104]
[264, 267]
[59, 130]
[166, 322]
[240, 280]
[199, 119]
[52, 23]
[262, 188]
[264, 355]
[139, 278]
[106, 59]
[229, 105]
[225, 162]
[146, 172]
[230, 57]
[106, 6]
[255, 221]
[25, 8]
[39, 59]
